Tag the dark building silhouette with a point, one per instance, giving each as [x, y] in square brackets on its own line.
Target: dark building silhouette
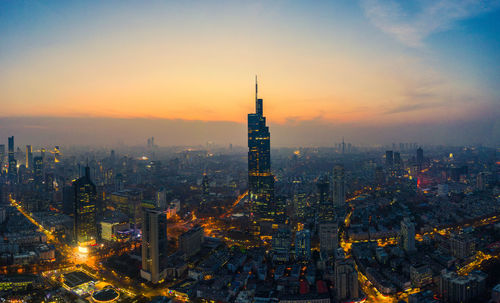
[420, 157]
[389, 158]
[260, 179]
[12, 172]
[326, 211]
[85, 226]
[38, 172]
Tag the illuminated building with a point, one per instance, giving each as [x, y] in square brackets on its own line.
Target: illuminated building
[346, 280]
[260, 179]
[407, 235]
[38, 172]
[190, 242]
[205, 190]
[29, 157]
[281, 243]
[12, 172]
[420, 275]
[326, 211]
[339, 186]
[161, 198]
[154, 245]
[85, 226]
[328, 236]
[299, 200]
[462, 245]
[455, 288]
[303, 245]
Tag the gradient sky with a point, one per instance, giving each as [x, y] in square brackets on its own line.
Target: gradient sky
[361, 63]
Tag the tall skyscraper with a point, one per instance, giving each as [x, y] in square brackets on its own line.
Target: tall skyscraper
[328, 236]
[346, 280]
[38, 172]
[85, 225]
[325, 207]
[29, 157]
[420, 158]
[154, 245]
[389, 159]
[303, 245]
[339, 185]
[407, 235]
[260, 179]
[12, 162]
[281, 244]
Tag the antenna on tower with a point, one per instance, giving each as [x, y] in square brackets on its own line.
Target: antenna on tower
[256, 88]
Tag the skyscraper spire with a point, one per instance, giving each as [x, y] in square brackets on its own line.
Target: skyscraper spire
[258, 102]
[256, 88]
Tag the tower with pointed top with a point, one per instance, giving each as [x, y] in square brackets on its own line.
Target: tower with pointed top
[260, 179]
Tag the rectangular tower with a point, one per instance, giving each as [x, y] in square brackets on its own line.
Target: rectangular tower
[154, 245]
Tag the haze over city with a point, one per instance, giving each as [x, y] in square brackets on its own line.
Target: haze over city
[250, 151]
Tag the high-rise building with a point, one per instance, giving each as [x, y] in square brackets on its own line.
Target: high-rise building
[420, 157]
[38, 172]
[303, 245]
[328, 236]
[454, 288]
[85, 225]
[325, 207]
[397, 160]
[190, 242]
[29, 157]
[161, 199]
[339, 186]
[389, 159]
[407, 235]
[260, 179]
[281, 243]
[12, 162]
[154, 245]
[346, 280]
[2, 156]
[462, 245]
[205, 190]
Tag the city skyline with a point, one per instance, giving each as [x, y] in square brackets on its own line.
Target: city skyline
[358, 66]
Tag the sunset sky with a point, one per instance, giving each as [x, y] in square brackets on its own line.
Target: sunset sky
[327, 63]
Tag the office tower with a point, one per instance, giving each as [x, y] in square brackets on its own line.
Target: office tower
[326, 211]
[407, 235]
[346, 280]
[12, 172]
[389, 159]
[420, 158]
[299, 200]
[260, 179]
[85, 225]
[38, 172]
[339, 186]
[205, 190]
[468, 288]
[397, 160]
[29, 157]
[303, 245]
[281, 244]
[484, 180]
[154, 245]
[2, 157]
[190, 242]
[161, 199]
[328, 236]
[462, 245]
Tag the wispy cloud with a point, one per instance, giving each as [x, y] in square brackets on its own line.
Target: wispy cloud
[412, 26]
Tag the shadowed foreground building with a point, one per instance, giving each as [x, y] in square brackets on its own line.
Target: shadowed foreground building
[154, 245]
[85, 225]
